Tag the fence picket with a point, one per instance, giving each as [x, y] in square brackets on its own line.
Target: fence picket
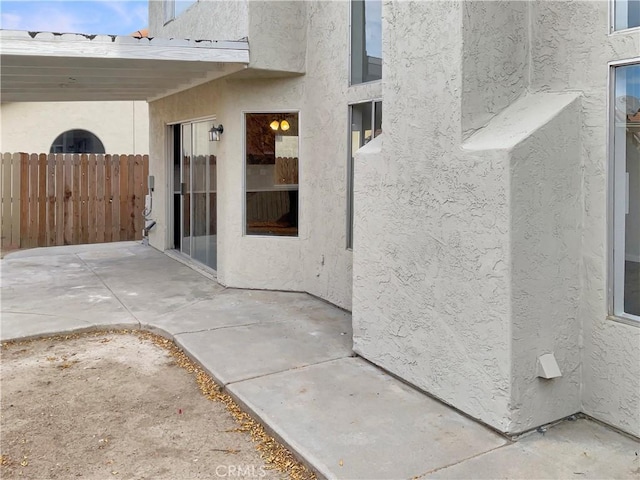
[115, 204]
[91, 201]
[100, 199]
[41, 227]
[124, 197]
[108, 200]
[76, 198]
[33, 200]
[51, 199]
[24, 204]
[15, 197]
[6, 199]
[138, 198]
[59, 199]
[84, 198]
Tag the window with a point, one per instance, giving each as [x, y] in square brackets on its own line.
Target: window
[174, 8]
[361, 117]
[77, 141]
[271, 188]
[626, 14]
[366, 41]
[626, 191]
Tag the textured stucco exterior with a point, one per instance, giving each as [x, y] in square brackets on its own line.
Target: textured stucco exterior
[611, 350]
[276, 30]
[317, 260]
[470, 264]
[122, 127]
[480, 212]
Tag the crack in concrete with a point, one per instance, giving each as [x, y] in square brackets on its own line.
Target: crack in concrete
[225, 385]
[506, 444]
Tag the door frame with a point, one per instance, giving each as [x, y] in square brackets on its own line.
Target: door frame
[169, 200]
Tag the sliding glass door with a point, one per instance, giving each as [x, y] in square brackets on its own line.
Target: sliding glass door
[195, 206]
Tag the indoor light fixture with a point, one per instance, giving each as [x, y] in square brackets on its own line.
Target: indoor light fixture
[214, 133]
[280, 125]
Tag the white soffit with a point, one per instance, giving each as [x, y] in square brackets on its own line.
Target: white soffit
[43, 66]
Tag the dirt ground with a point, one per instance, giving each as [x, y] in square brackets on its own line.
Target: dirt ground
[116, 405]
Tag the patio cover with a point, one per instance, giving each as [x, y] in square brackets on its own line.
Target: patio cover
[43, 66]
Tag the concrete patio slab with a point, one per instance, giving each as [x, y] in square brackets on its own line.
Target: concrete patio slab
[287, 357]
[25, 325]
[149, 284]
[58, 270]
[579, 449]
[232, 307]
[268, 347]
[87, 302]
[351, 420]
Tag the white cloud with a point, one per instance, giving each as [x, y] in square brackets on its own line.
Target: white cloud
[11, 21]
[132, 13]
[44, 19]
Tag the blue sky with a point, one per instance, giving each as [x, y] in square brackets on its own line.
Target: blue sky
[115, 17]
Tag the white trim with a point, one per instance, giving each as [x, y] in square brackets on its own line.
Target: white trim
[206, 118]
[46, 44]
[43, 66]
[627, 61]
[612, 19]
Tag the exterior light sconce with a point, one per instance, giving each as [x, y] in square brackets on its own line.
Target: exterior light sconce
[214, 133]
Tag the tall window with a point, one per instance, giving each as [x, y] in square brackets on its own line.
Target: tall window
[626, 191]
[626, 14]
[271, 151]
[77, 141]
[366, 123]
[173, 8]
[366, 41]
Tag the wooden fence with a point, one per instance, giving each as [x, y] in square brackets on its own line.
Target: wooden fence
[70, 199]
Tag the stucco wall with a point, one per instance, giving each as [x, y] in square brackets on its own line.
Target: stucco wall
[431, 284]
[415, 203]
[123, 127]
[204, 20]
[546, 229]
[495, 67]
[276, 29]
[611, 355]
[318, 261]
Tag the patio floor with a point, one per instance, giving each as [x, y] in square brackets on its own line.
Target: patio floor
[287, 358]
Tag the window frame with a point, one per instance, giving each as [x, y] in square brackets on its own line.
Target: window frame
[170, 15]
[615, 285]
[351, 164]
[243, 117]
[350, 59]
[612, 20]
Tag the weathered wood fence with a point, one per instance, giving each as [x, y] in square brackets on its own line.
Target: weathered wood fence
[70, 199]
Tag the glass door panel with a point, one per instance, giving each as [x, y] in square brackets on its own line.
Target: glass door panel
[186, 188]
[203, 247]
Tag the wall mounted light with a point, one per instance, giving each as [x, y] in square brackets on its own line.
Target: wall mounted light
[214, 133]
[275, 125]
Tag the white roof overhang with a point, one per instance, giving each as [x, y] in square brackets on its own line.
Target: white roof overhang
[42, 66]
